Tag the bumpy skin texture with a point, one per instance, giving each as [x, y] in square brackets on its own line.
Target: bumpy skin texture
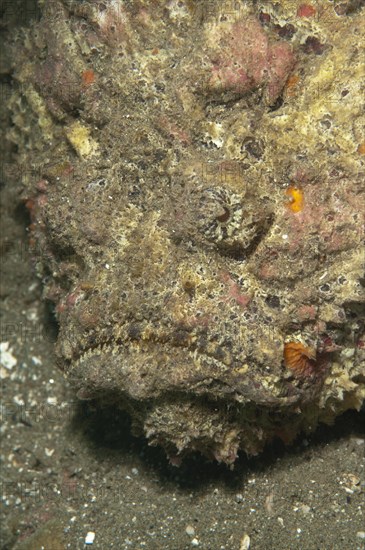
[196, 199]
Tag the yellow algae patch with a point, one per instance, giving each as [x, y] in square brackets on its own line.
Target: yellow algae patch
[296, 199]
[292, 84]
[79, 137]
[361, 148]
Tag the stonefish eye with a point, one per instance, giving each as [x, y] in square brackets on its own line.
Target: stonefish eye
[231, 223]
[219, 214]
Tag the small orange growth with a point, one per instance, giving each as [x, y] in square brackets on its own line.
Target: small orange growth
[306, 10]
[29, 205]
[287, 434]
[299, 358]
[291, 84]
[361, 148]
[296, 198]
[88, 77]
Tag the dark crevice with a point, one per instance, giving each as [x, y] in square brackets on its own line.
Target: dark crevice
[278, 103]
[51, 325]
[21, 215]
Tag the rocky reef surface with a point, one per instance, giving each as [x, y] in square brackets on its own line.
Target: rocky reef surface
[194, 173]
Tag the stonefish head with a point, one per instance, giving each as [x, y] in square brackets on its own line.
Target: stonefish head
[196, 214]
